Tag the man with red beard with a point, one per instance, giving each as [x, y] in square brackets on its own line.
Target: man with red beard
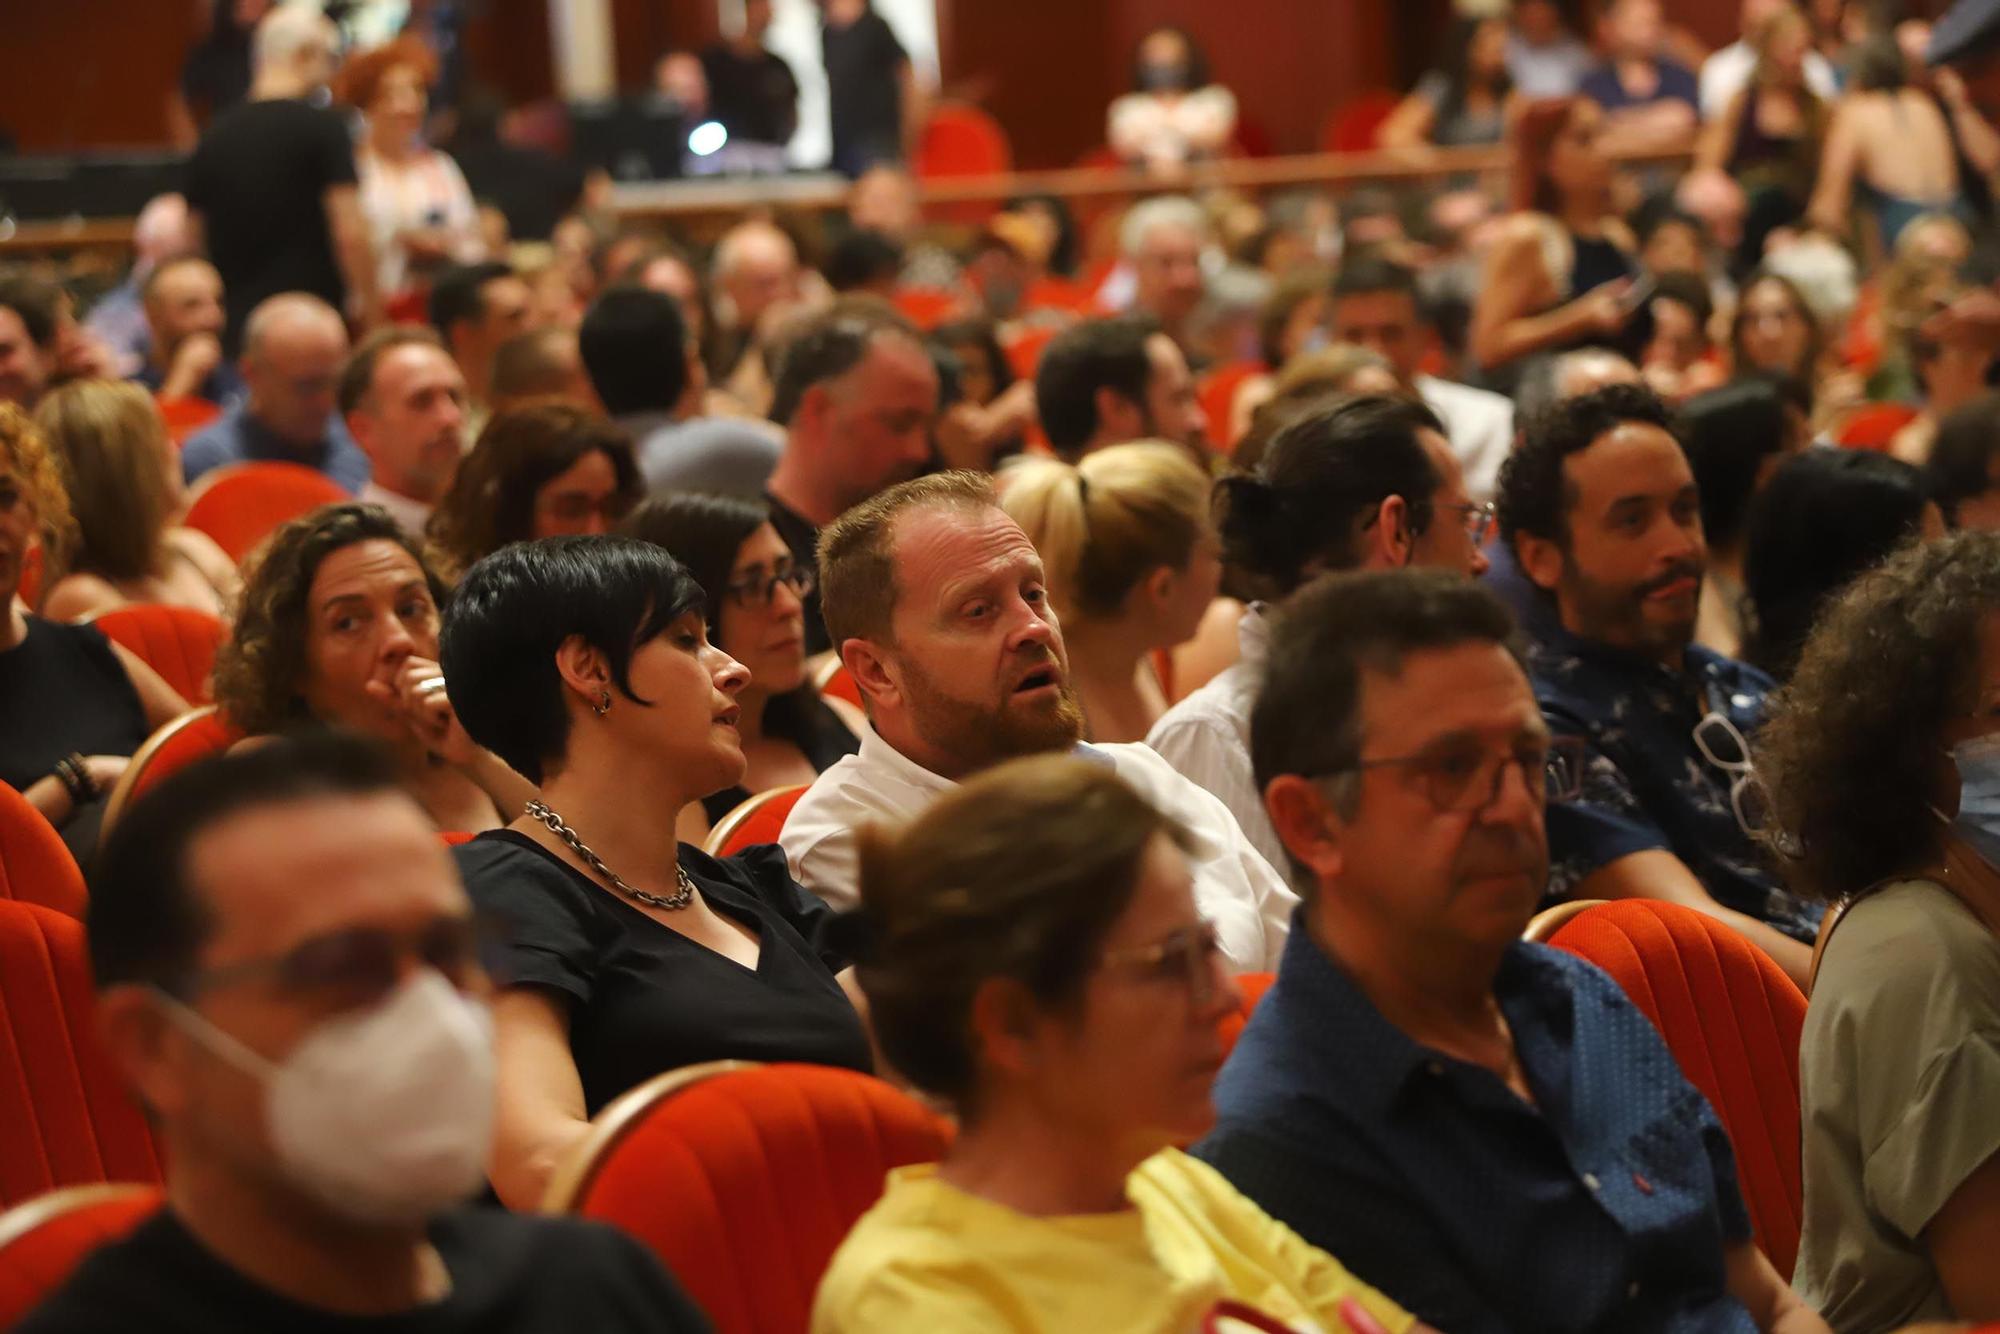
[1599, 506]
[935, 600]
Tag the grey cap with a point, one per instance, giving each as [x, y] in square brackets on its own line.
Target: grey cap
[1968, 27]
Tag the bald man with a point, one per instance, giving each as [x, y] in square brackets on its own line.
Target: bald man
[294, 346]
[756, 272]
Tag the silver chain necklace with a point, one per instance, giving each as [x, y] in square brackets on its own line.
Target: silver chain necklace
[680, 898]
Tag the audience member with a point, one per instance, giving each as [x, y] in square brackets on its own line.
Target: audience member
[876, 104]
[541, 363]
[646, 370]
[1599, 506]
[1413, 1044]
[271, 188]
[532, 187]
[1766, 138]
[118, 318]
[1544, 58]
[753, 596]
[935, 600]
[1175, 114]
[1547, 381]
[753, 91]
[339, 628]
[419, 209]
[123, 479]
[1734, 68]
[1890, 154]
[318, 1069]
[30, 312]
[1736, 438]
[757, 287]
[293, 348]
[548, 468]
[475, 308]
[1960, 474]
[1825, 518]
[73, 704]
[1949, 373]
[404, 403]
[585, 663]
[1679, 360]
[182, 300]
[1879, 756]
[1339, 368]
[1063, 1001]
[1162, 239]
[1375, 306]
[1116, 379]
[1133, 563]
[856, 393]
[1463, 101]
[1648, 98]
[864, 262]
[1775, 332]
[1351, 483]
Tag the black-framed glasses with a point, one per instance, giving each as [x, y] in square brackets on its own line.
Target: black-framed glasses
[1468, 778]
[1722, 744]
[1478, 520]
[360, 965]
[756, 590]
[1187, 956]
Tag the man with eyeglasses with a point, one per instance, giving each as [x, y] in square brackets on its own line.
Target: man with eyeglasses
[1600, 509]
[289, 977]
[1485, 1130]
[294, 348]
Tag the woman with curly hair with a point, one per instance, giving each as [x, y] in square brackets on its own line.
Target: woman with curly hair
[73, 705]
[1883, 761]
[339, 627]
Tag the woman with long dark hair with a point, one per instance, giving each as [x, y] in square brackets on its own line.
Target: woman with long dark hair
[1464, 100]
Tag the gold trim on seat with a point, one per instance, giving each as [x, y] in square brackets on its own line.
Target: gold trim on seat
[121, 795]
[725, 828]
[1543, 926]
[40, 1210]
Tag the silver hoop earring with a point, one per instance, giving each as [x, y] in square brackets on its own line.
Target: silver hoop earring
[603, 705]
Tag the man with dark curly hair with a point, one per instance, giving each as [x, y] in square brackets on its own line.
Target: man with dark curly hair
[1600, 509]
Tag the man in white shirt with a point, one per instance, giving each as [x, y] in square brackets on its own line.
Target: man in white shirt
[935, 599]
[1727, 72]
[404, 401]
[1375, 305]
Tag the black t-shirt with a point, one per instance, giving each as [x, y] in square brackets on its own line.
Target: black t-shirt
[864, 66]
[259, 178]
[63, 692]
[642, 997]
[531, 187]
[803, 538]
[754, 97]
[510, 1274]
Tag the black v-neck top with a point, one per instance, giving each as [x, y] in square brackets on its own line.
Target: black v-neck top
[643, 998]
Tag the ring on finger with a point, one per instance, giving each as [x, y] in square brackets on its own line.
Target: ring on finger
[431, 685]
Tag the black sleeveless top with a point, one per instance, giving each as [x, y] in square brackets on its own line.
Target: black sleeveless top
[1595, 261]
[802, 718]
[63, 692]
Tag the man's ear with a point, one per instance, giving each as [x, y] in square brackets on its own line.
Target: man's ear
[1391, 545]
[874, 674]
[1540, 558]
[1299, 813]
[143, 1045]
[583, 669]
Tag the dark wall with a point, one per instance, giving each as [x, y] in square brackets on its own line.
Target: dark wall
[92, 73]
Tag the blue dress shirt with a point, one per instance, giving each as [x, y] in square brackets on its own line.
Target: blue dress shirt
[1605, 1206]
[238, 437]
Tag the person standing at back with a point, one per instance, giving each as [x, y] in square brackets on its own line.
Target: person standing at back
[271, 186]
[874, 98]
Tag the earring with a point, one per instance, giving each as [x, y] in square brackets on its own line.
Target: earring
[603, 705]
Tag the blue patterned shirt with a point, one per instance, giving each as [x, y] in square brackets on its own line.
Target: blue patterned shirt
[1604, 1207]
[1647, 784]
[238, 437]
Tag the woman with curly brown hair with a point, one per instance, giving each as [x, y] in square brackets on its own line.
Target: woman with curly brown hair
[544, 469]
[1883, 760]
[339, 626]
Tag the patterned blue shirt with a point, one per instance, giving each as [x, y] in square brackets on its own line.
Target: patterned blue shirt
[238, 437]
[1647, 784]
[1604, 1207]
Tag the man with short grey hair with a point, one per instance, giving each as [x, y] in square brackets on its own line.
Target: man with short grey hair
[1163, 240]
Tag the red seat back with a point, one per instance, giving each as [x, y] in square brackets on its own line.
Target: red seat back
[186, 415]
[35, 864]
[175, 746]
[744, 1181]
[959, 139]
[758, 820]
[43, 1240]
[1873, 426]
[838, 683]
[242, 504]
[1352, 127]
[177, 642]
[1253, 986]
[69, 1120]
[1217, 391]
[30, 587]
[1732, 1020]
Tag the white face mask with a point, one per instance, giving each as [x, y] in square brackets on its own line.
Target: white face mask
[384, 1116]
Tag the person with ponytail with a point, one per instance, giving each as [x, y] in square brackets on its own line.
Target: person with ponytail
[1133, 563]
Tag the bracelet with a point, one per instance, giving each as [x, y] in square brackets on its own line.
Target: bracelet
[76, 780]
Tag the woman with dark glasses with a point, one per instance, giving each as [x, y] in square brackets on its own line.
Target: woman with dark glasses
[1033, 957]
[755, 599]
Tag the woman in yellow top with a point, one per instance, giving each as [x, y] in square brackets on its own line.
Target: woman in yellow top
[1033, 957]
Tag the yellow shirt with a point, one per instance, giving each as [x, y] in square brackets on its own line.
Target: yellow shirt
[930, 1257]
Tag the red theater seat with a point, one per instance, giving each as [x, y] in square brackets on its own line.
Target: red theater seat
[203, 731]
[43, 1240]
[35, 864]
[242, 504]
[177, 642]
[760, 819]
[1253, 986]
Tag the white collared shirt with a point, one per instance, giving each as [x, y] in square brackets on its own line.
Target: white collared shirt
[410, 515]
[1234, 886]
[1480, 426]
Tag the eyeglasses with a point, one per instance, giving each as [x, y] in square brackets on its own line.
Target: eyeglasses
[753, 591]
[356, 967]
[1468, 778]
[1187, 956]
[1478, 520]
[1722, 744]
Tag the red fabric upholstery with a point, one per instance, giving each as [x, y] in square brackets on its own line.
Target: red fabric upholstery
[242, 504]
[45, 1239]
[1352, 128]
[174, 747]
[840, 685]
[744, 1183]
[1024, 350]
[35, 865]
[1253, 986]
[1874, 425]
[959, 139]
[1217, 390]
[759, 820]
[30, 586]
[69, 1120]
[186, 415]
[1732, 1019]
[454, 837]
[177, 642]
[927, 307]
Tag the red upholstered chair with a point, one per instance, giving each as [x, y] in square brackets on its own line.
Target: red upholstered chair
[30, 587]
[833, 678]
[44, 1239]
[242, 504]
[1873, 426]
[760, 819]
[200, 732]
[35, 865]
[1217, 390]
[1253, 986]
[177, 642]
[185, 415]
[1024, 350]
[69, 1120]
[1732, 1019]
[960, 139]
[1352, 127]
[744, 1178]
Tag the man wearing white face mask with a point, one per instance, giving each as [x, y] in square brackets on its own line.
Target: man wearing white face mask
[289, 978]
